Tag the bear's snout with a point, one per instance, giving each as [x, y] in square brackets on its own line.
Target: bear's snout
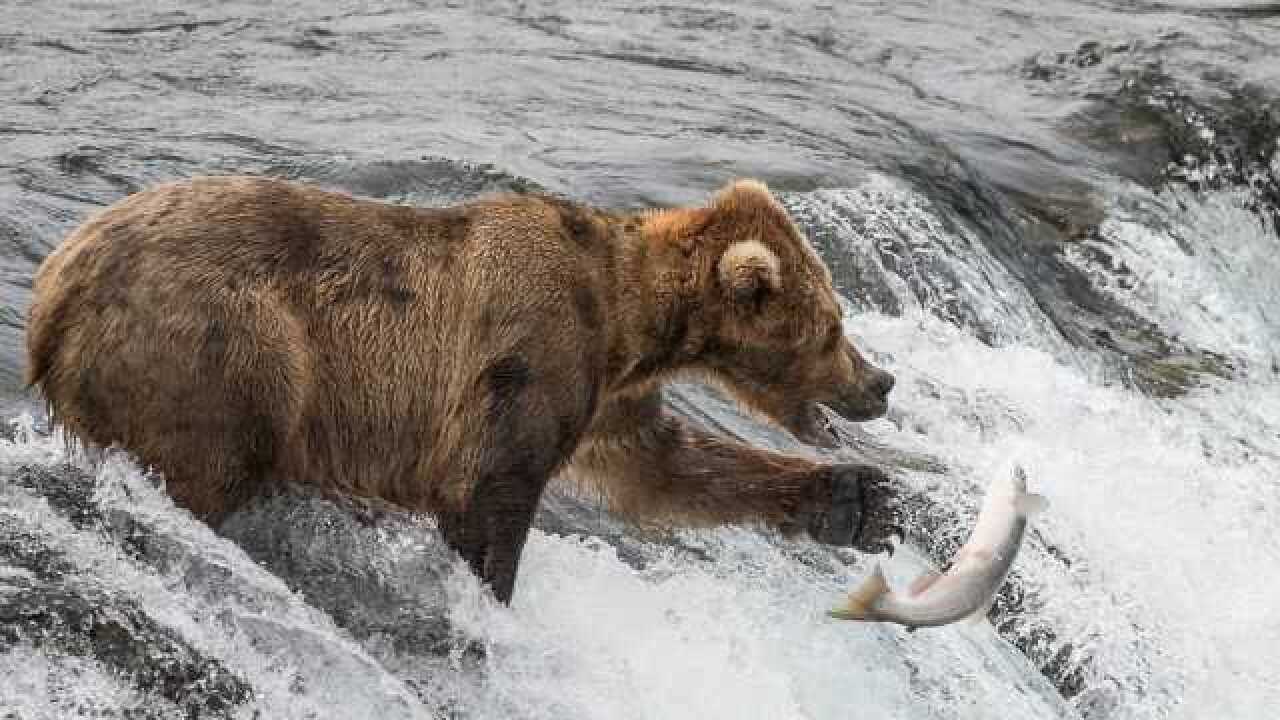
[867, 399]
[881, 383]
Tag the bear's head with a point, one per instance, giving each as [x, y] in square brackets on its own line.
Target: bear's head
[773, 335]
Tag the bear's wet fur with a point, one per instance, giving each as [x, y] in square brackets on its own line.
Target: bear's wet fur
[238, 332]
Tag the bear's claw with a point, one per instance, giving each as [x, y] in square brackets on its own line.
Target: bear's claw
[862, 511]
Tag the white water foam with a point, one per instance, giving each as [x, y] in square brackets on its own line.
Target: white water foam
[1171, 507]
[37, 686]
[220, 603]
[744, 637]
[931, 265]
[1203, 265]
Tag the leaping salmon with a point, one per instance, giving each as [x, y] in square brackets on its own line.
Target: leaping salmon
[969, 586]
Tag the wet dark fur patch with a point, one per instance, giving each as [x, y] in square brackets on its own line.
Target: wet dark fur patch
[449, 230]
[486, 322]
[88, 395]
[298, 238]
[507, 378]
[576, 221]
[670, 337]
[115, 271]
[394, 285]
[213, 350]
[399, 295]
[569, 428]
[385, 281]
[259, 452]
[584, 301]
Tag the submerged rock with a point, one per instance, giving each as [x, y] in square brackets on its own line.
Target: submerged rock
[90, 571]
[377, 572]
[47, 604]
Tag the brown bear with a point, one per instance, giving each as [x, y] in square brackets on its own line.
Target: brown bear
[238, 332]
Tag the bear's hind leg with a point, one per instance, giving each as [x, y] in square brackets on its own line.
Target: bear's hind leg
[236, 456]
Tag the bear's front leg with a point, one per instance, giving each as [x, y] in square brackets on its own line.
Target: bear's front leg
[531, 421]
[651, 467]
[491, 533]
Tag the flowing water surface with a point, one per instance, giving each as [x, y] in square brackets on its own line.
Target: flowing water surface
[1055, 222]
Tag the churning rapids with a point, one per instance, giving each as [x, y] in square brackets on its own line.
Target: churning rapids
[1056, 223]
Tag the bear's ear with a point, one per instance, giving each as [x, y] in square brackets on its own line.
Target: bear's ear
[746, 196]
[749, 273]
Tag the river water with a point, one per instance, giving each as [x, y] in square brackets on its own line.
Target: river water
[1056, 223]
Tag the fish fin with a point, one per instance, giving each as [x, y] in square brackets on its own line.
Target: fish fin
[1031, 504]
[858, 606]
[922, 583]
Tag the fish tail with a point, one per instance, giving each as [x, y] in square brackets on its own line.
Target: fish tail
[1019, 477]
[1026, 504]
[861, 602]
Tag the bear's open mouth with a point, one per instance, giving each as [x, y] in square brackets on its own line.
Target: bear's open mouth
[814, 425]
[821, 425]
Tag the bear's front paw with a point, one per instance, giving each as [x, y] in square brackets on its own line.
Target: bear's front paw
[862, 510]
